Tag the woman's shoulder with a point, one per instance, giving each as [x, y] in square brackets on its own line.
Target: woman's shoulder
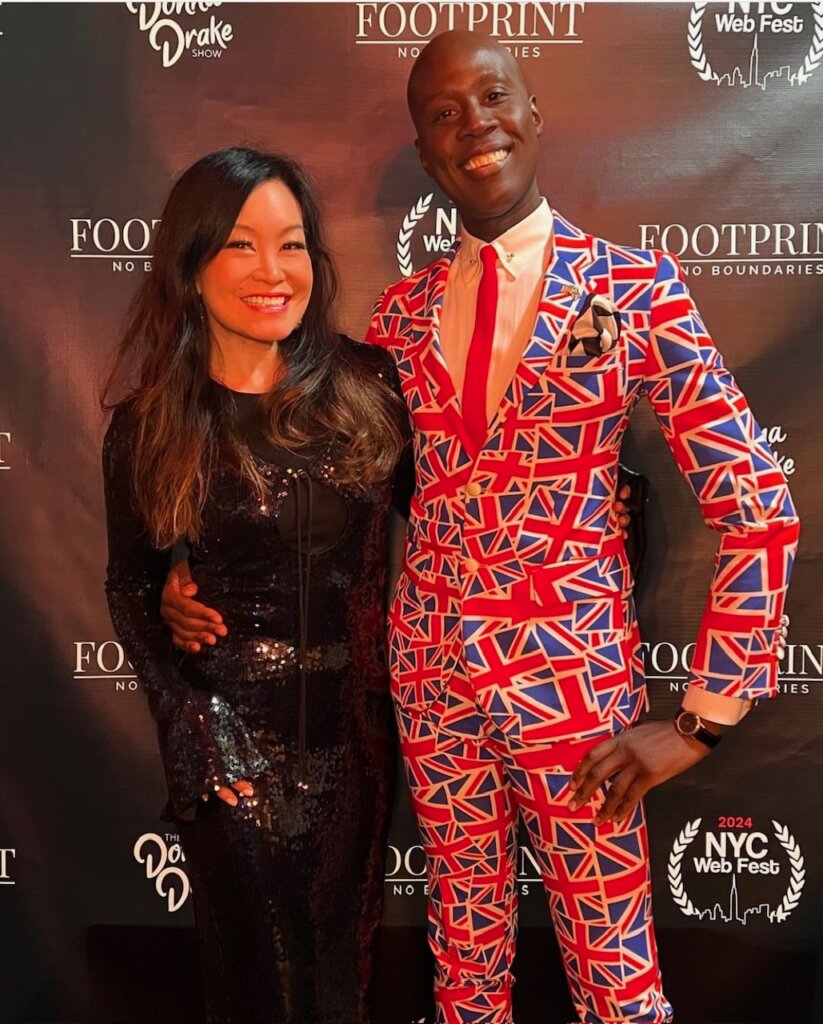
[122, 424]
[371, 359]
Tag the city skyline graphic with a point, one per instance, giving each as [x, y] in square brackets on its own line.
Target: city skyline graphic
[756, 77]
[734, 913]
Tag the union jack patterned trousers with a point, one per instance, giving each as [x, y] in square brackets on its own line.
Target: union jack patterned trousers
[469, 784]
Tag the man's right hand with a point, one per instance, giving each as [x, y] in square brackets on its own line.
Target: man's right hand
[191, 623]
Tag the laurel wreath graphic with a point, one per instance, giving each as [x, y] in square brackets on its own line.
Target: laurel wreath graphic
[797, 874]
[415, 214]
[700, 62]
[685, 838]
[815, 54]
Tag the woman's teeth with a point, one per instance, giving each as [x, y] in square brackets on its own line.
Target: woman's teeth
[266, 301]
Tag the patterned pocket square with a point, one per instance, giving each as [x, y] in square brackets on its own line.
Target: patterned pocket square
[597, 328]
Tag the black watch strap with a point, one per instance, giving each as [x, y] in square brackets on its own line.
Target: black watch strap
[690, 724]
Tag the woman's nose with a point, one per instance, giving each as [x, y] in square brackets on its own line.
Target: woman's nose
[269, 266]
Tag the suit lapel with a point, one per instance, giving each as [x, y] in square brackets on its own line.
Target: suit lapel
[424, 351]
[564, 292]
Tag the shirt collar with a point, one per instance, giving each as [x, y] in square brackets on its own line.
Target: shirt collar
[516, 248]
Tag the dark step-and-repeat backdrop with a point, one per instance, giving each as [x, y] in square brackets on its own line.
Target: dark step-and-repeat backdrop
[693, 127]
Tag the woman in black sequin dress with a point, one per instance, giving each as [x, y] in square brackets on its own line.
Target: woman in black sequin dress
[269, 444]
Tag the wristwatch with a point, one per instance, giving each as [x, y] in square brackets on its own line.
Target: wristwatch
[691, 725]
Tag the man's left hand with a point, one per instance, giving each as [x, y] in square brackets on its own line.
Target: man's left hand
[632, 763]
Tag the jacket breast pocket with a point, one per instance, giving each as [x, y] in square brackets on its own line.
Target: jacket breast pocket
[595, 385]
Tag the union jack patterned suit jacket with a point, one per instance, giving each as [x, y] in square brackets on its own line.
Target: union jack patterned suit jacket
[514, 571]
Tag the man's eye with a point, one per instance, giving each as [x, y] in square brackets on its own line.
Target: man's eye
[497, 94]
[444, 115]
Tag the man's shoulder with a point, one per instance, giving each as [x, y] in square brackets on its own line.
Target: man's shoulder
[418, 283]
[569, 234]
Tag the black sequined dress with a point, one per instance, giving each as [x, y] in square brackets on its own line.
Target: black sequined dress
[287, 886]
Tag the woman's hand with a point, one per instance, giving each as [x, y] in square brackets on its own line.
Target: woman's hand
[228, 794]
[191, 623]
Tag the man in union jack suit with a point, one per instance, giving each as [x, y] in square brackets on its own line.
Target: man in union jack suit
[514, 643]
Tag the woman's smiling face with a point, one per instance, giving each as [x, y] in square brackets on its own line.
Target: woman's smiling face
[256, 289]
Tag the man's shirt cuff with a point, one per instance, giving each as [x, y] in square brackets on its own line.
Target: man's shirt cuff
[716, 707]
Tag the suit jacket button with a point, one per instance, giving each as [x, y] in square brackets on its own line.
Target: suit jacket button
[471, 565]
[474, 490]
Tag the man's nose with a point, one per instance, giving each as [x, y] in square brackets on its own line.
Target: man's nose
[477, 119]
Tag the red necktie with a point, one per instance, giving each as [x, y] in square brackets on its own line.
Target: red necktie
[475, 382]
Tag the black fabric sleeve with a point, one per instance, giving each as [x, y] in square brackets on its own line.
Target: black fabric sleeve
[636, 530]
[203, 742]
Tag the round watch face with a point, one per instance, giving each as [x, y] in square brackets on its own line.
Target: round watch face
[688, 723]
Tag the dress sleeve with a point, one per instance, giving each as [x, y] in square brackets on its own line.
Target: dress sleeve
[203, 742]
[723, 456]
[636, 503]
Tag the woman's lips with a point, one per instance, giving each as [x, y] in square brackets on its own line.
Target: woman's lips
[267, 303]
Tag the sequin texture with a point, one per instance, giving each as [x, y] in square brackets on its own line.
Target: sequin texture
[287, 886]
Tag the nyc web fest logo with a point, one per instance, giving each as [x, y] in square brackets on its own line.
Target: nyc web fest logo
[761, 45]
[736, 872]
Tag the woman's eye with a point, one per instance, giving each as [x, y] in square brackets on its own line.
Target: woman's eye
[295, 245]
[239, 243]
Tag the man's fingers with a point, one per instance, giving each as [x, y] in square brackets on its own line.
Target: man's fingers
[188, 623]
[594, 756]
[188, 641]
[594, 778]
[176, 608]
[628, 804]
[624, 790]
[244, 787]
[182, 570]
[189, 646]
[227, 795]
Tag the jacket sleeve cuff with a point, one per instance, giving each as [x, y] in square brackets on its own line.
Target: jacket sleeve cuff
[715, 707]
[206, 745]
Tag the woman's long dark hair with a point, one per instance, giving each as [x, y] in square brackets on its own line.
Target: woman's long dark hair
[183, 423]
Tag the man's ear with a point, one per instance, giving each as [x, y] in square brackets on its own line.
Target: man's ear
[537, 117]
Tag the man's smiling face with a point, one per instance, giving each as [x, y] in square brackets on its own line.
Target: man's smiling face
[478, 130]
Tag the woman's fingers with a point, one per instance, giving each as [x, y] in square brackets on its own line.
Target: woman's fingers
[228, 794]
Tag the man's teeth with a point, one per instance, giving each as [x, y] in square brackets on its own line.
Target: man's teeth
[267, 301]
[485, 159]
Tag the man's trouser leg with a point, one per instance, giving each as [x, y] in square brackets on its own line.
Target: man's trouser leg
[467, 786]
[598, 887]
[468, 830]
